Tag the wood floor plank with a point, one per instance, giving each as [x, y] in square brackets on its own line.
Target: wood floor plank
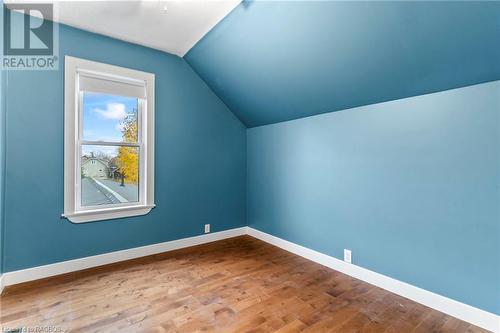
[236, 285]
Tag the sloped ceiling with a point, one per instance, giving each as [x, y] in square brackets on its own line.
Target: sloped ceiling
[272, 61]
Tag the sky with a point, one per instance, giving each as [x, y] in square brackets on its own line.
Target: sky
[103, 116]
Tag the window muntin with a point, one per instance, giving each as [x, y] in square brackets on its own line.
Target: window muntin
[110, 115]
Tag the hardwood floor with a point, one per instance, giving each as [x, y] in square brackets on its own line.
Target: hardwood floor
[236, 285]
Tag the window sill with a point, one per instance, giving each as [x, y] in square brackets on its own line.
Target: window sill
[107, 213]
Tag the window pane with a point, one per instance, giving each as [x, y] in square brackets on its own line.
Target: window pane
[109, 118]
[109, 175]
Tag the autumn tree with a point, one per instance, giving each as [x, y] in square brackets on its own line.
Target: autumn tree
[128, 157]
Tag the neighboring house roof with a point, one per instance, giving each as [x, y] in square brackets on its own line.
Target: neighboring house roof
[86, 159]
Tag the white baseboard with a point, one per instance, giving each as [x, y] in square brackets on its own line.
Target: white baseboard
[40, 272]
[1, 284]
[446, 305]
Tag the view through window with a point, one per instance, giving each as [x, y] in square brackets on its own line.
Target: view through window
[110, 149]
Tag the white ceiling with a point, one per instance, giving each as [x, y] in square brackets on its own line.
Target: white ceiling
[175, 30]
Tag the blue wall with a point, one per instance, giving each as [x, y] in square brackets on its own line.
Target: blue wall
[200, 160]
[410, 186]
[271, 61]
[2, 162]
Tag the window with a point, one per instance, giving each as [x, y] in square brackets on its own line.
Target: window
[109, 141]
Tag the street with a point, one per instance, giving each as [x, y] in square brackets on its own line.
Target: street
[106, 191]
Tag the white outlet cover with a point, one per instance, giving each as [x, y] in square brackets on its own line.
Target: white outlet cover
[347, 256]
[207, 228]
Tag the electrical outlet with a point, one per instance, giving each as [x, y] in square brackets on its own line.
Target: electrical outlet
[347, 256]
[207, 228]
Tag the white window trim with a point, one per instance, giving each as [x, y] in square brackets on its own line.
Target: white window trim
[72, 122]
